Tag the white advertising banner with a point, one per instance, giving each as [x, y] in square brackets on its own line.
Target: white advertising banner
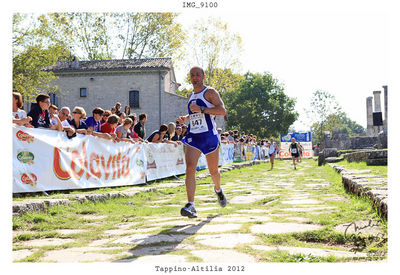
[164, 160]
[308, 152]
[226, 153]
[47, 160]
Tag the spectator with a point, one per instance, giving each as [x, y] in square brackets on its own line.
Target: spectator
[122, 117]
[40, 112]
[139, 128]
[19, 115]
[219, 130]
[109, 126]
[54, 119]
[158, 136]
[178, 134]
[118, 108]
[93, 122]
[122, 131]
[63, 116]
[224, 137]
[184, 130]
[78, 114]
[127, 110]
[105, 116]
[113, 110]
[132, 134]
[231, 139]
[171, 131]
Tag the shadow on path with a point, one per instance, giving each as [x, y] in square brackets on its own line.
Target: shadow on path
[164, 242]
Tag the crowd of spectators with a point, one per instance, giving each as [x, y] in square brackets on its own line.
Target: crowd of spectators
[113, 124]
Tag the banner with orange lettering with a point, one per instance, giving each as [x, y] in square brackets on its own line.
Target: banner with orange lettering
[164, 160]
[47, 160]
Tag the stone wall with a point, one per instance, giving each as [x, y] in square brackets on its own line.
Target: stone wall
[343, 142]
[363, 184]
[372, 157]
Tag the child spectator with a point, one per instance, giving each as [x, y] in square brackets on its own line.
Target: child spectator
[122, 130]
[110, 125]
[54, 120]
[93, 122]
[19, 115]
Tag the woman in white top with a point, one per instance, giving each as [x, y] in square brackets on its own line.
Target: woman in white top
[272, 151]
[19, 115]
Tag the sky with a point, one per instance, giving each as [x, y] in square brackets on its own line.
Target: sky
[343, 54]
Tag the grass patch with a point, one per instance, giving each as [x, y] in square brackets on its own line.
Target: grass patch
[379, 170]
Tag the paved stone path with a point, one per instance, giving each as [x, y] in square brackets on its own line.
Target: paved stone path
[257, 209]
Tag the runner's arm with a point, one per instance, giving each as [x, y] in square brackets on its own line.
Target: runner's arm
[214, 98]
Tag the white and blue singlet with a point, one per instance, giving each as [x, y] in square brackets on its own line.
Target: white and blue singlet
[202, 133]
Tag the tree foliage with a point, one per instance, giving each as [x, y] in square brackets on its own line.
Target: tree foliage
[39, 41]
[223, 80]
[35, 46]
[260, 106]
[326, 114]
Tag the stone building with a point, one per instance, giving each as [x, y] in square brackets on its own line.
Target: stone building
[146, 85]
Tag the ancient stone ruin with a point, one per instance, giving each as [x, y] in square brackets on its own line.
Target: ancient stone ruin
[376, 137]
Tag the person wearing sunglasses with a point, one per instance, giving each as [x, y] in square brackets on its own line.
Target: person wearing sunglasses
[78, 114]
[40, 112]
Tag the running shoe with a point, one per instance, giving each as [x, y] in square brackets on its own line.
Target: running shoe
[295, 168]
[221, 198]
[189, 211]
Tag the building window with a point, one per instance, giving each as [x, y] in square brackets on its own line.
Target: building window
[83, 92]
[134, 99]
[53, 99]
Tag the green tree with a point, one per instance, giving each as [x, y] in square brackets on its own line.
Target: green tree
[322, 105]
[34, 47]
[150, 35]
[223, 80]
[213, 47]
[260, 106]
[42, 40]
[327, 115]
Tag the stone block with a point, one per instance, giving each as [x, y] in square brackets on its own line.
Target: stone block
[377, 161]
[330, 152]
[333, 159]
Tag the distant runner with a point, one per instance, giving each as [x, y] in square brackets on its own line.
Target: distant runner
[294, 150]
[272, 151]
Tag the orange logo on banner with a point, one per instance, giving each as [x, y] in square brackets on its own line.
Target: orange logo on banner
[79, 164]
[29, 179]
[24, 136]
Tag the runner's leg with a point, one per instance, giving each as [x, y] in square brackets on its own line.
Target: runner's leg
[192, 156]
[212, 162]
[271, 159]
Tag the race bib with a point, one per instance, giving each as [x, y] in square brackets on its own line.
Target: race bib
[294, 151]
[198, 123]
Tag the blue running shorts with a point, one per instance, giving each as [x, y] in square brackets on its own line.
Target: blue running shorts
[205, 144]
